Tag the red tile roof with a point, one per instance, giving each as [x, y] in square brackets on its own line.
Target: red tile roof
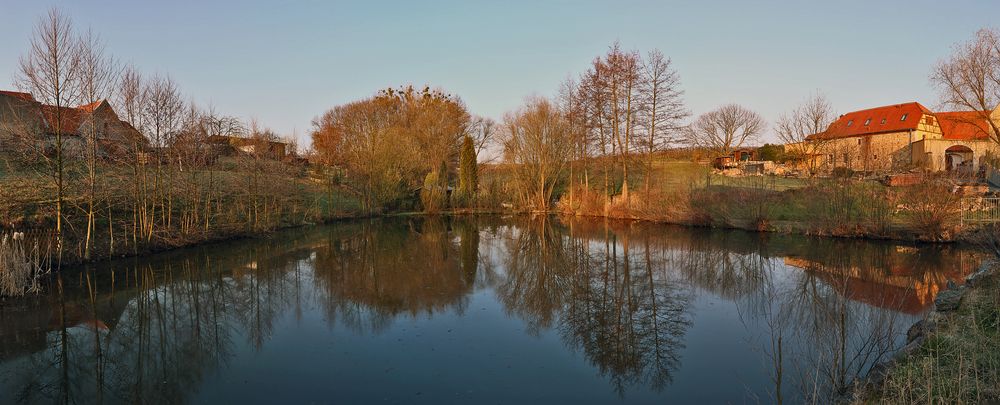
[69, 118]
[22, 96]
[92, 106]
[891, 118]
[964, 125]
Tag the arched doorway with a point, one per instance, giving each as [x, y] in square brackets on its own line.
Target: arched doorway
[958, 158]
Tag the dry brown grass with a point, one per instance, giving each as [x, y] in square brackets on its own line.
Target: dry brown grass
[21, 265]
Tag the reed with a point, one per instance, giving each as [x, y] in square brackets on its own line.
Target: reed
[22, 264]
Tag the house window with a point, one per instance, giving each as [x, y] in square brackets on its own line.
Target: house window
[859, 141]
[883, 121]
[904, 117]
[850, 122]
[868, 121]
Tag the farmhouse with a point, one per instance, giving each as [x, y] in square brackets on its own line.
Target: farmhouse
[230, 145]
[27, 124]
[904, 136]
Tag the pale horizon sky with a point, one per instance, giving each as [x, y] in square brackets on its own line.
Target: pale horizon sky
[285, 63]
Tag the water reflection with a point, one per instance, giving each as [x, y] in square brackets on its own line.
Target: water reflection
[626, 298]
[368, 273]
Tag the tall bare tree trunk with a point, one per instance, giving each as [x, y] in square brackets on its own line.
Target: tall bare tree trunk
[49, 71]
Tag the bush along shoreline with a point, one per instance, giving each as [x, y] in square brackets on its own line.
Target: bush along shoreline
[230, 200]
[930, 212]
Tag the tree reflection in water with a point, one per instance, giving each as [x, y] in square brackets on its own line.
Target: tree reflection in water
[628, 313]
[820, 312]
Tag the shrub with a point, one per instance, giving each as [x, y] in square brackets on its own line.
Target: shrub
[847, 208]
[773, 153]
[931, 207]
[752, 205]
[433, 194]
[842, 172]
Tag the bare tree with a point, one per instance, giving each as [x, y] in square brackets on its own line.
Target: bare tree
[622, 78]
[726, 128]
[130, 97]
[163, 109]
[795, 129]
[539, 144]
[664, 105]
[49, 71]
[970, 78]
[483, 131]
[572, 107]
[189, 146]
[162, 112]
[130, 100]
[610, 103]
[98, 77]
[292, 144]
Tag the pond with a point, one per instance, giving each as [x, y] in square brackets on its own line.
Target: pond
[482, 309]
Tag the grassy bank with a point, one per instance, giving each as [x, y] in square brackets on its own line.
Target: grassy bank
[128, 210]
[954, 355]
[690, 194]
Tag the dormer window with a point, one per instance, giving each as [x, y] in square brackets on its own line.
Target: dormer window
[904, 117]
[868, 121]
[850, 122]
[883, 121]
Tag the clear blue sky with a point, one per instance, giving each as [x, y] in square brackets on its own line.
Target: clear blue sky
[285, 62]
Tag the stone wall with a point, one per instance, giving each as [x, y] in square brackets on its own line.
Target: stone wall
[878, 153]
[930, 153]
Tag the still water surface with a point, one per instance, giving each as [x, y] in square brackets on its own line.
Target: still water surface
[474, 310]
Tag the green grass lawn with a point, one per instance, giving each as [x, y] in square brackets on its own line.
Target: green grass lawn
[671, 174]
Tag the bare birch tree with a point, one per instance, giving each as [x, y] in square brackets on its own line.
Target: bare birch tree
[610, 97]
[623, 81]
[98, 77]
[49, 71]
[725, 129]
[130, 101]
[970, 78]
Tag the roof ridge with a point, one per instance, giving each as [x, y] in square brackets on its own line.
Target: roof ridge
[18, 94]
[90, 107]
[887, 106]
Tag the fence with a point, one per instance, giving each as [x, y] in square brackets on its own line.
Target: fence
[980, 210]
